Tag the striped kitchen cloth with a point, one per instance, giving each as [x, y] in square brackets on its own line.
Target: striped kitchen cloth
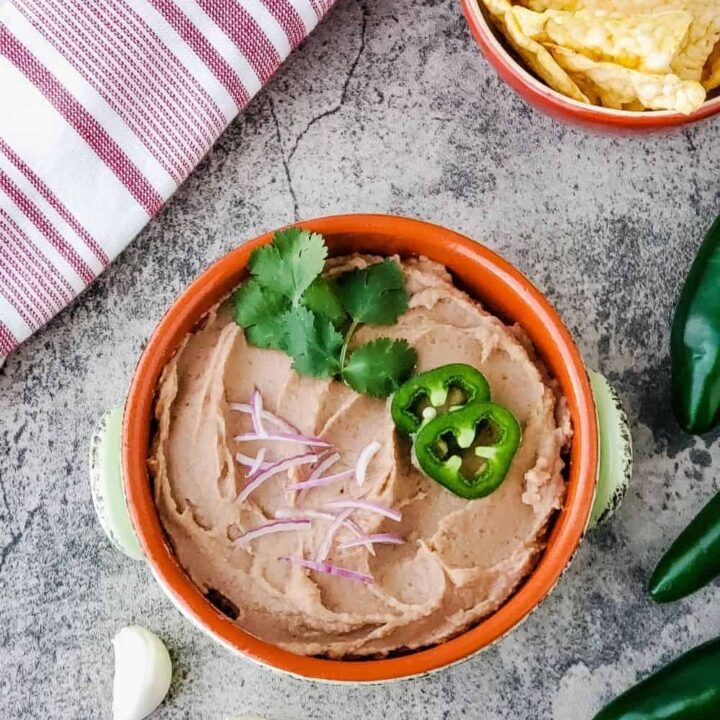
[105, 107]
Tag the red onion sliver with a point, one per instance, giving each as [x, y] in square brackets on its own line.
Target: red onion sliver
[330, 569]
[317, 482]
[295, 513]
[250, 461]
[275, 526]
[275, 469]
[386, 538]
[354, 528]
[324, 465]
[256, 414]
[285, 437]
[324, 549]
[368, 453]
[266, 415]
[304, 514]
[366, 505]
[257, 466]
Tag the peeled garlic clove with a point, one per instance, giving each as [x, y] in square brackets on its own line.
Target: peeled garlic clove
[142, 673]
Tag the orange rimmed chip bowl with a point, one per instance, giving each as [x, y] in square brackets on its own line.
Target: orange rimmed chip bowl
[560, 107]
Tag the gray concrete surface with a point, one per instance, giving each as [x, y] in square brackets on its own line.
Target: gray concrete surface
[389, 107]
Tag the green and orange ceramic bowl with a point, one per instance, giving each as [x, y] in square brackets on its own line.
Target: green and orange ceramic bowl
[120, 447]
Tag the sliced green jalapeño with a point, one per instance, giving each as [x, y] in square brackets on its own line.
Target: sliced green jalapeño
[469, 450]
[434, 392]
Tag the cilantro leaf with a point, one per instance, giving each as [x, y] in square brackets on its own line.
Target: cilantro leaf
[256, 310]
[312, 342]
[322, 298]
[268, 334]
[288, 266]
[379, 367]
[287, 305]
[375, 294]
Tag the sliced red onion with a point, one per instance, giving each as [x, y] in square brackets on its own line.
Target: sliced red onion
[294, 513]
[256, 414]
[275, 526]
[258, 464]
[366, 505]
[317, 482]
[355, 530]
[324, 550]
[250, 461]
[330, 569]
[382, 538]
[285, 437]
[368, 453]
[266, 415]
[324, 465]
[275, 469]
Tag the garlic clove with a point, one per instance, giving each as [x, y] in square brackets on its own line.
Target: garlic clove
[143, 671]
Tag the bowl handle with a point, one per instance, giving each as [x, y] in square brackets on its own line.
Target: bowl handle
[614, 472]
[106, 484]
[616, 454]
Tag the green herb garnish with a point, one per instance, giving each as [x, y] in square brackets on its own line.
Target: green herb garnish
[312, 342]
[257, 310]
[374, 368]
[375, 295]
[322, 298]
[287, 305]
[288, 266]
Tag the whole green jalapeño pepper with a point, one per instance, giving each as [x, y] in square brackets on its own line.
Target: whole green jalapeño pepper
[695, 340]
[469, 450]
[693, 560]
[431, 393]
[686, 689]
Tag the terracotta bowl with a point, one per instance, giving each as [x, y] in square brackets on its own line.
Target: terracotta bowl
[499, 286]
[563, 108]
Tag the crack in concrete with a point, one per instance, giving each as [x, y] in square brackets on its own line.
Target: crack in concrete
[286, 166]
[343, 94]
[3, 497]
[343, 97]
[16, 538]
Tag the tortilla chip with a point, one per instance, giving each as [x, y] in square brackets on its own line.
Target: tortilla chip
[536, 57]
[704, 30]
[618, 86]
[595, 46]
[704, 33]
[542, 5]
[626, 7]
[642, 42]
[711, 74]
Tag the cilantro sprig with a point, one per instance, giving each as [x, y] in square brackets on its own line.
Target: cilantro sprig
[374, 368]
[288, 305]
[375, 295]
[312, 341]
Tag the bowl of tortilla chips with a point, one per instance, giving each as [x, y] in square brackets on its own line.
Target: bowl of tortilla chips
[610, 65]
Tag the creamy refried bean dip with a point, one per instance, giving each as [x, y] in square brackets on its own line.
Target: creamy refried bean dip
[460, 559]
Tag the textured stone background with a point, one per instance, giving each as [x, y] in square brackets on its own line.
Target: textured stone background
[389, 107]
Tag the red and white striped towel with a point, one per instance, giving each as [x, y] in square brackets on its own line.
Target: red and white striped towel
[105, 108]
